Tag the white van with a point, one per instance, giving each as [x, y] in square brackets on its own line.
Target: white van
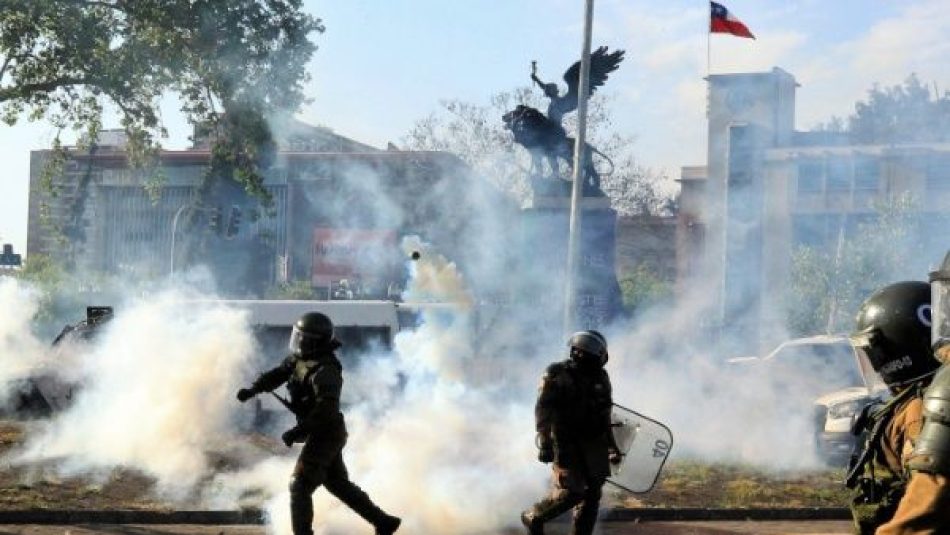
[359, 325]
[828, 372]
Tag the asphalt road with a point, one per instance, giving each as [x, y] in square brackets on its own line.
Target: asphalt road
[607, 528]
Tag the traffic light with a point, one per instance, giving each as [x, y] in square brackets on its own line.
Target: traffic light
[234, 222]
[214, 220]
[9, 258]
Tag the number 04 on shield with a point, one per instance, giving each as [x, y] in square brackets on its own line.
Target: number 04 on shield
[645, 444]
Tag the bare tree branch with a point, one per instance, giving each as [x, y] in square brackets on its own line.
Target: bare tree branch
[6, 63]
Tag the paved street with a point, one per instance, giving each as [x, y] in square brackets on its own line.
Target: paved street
[612, 528]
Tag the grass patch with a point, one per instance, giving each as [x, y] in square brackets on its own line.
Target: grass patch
[686, 483]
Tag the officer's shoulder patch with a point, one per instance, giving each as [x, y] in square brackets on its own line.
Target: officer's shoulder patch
[555, 369]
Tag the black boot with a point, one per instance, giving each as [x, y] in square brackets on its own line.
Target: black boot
[387, 525]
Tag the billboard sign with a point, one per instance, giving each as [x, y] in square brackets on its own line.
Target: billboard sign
[353, 254]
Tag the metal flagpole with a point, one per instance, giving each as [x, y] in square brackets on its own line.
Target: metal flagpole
[708, 57]
[573, 243]
[708, 39]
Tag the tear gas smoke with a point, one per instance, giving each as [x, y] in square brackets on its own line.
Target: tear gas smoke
[21, 354]
[441, 428]
[423, 446]
[155, 393]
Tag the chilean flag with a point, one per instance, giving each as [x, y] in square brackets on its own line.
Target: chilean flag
[721, 21]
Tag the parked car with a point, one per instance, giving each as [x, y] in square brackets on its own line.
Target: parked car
[827, 373]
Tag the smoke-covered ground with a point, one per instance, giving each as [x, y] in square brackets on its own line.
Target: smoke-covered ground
[441, 429]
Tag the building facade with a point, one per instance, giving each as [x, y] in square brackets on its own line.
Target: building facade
[100, 215]
[767, 189]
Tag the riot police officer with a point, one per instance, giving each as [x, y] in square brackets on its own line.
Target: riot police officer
[572, 420]
[893, 330]
[314, 380]
[925, 506]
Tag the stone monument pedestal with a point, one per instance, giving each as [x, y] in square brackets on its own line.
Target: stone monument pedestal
[544, 238]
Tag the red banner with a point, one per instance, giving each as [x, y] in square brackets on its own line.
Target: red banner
[352, 254]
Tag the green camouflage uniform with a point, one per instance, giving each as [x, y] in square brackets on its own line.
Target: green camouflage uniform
[314, 387]
[573, 410]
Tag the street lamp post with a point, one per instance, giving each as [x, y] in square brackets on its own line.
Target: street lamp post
[216, 222]
[573, 242]
[171, 259]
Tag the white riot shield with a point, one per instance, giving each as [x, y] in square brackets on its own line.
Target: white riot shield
[645, 444]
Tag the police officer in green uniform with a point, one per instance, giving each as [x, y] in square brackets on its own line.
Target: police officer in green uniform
[893, 330]
[314, 380]
[572, 418]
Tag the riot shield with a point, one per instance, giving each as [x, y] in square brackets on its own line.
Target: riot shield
[645, 444]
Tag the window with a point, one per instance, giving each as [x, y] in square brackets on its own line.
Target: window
[867, 174]
[839, 174]
[810, 176]
[938, 172]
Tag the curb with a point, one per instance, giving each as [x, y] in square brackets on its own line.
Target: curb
[256, 517]
[52, 516]
[699, 514]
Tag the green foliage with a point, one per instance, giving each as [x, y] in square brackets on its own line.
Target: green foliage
[642, 288]
[232, 63]
[48, 278]
[905, 113]
[828, 285]
[64, 293]
[299, 289]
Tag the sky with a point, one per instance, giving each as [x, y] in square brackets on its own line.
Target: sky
[382, 66]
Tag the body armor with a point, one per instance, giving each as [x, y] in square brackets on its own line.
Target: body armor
[314, 386]
[932, 450]
[879, 485]
[573, 410]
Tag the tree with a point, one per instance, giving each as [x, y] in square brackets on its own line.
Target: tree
[642, 288]
[476, 134]
[905, 113]
[233, 63]
[829, 284]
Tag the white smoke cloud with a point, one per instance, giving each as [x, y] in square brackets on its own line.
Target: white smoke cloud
[423, 446]
[155, 393]
[20, 351]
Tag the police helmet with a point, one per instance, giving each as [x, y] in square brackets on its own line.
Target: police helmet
[893, 329]
[588, 347]
[312, 332]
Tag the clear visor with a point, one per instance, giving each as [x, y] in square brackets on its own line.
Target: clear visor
[867, 344]
[296, 340]
[939, 313]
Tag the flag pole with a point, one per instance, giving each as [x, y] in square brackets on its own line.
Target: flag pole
[708, 55]
[573, 240]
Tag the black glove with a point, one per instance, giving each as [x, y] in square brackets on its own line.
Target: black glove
[545, 451]
[245, 394]
[292, 435]
[614, 456]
